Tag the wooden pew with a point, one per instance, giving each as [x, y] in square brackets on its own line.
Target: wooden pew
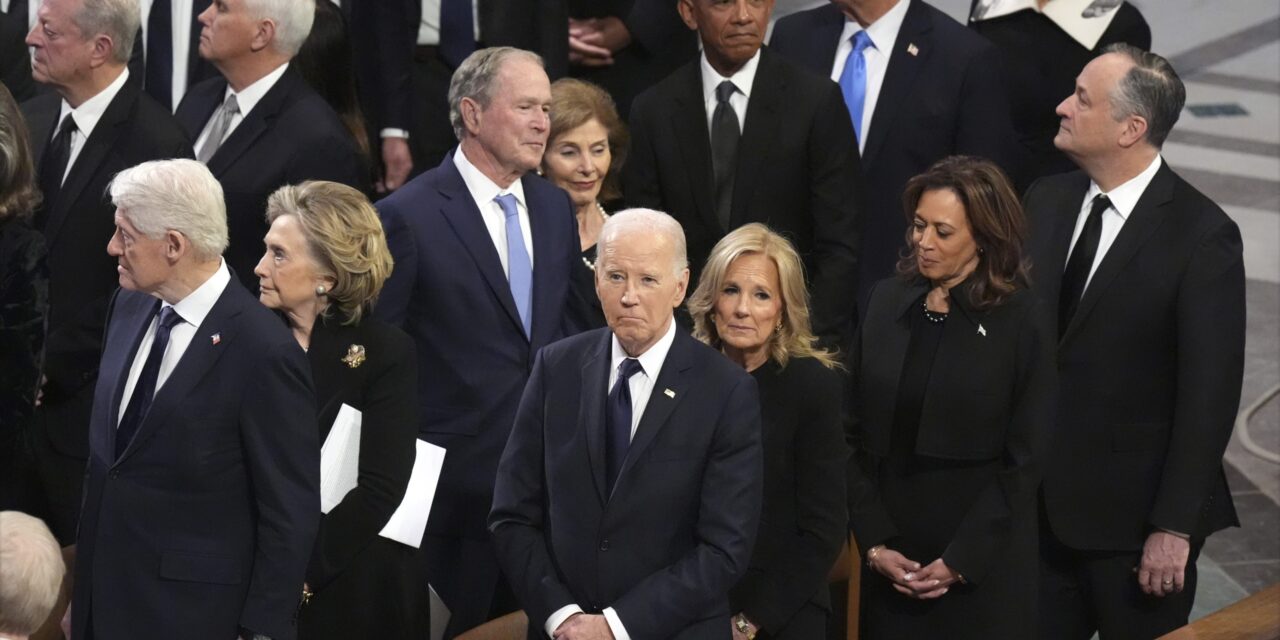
[1254, 618]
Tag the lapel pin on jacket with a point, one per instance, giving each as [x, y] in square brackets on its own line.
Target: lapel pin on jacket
[216, 339]
[670, 393]
[913, 49]
[982, 331]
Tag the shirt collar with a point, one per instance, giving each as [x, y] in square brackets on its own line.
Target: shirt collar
[1125, 197]
[193, 308]
[481, 187]
[743, 79]
[87, 115]
[883, 32]
[250, 96]
[651, 360]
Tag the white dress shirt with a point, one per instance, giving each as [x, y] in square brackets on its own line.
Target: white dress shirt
[483, 191]
[641, 387]
[1123, 199]
[743, 80]
[192, 309]
[429, 28]
[247, 99]
[884, 35]
[180, 27]
[86, 117]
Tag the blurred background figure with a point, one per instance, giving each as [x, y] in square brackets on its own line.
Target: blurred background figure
[325, 262]
[15, 63]
[586, 149]
[752, 305]
[31, 572]
[326, 63]
[954, 379]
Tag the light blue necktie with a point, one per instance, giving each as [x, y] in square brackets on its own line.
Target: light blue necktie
[853, 80]
[519, 266]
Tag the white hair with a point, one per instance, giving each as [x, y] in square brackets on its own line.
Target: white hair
[31, 570]
[292, 18]
[116, 19]
[177, 195]
[646, 220]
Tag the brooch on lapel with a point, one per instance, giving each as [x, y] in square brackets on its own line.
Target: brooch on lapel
[355, 356]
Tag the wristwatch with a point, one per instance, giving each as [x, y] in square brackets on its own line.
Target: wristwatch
[744, 627]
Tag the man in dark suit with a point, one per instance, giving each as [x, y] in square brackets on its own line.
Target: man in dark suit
[483, 252]
[167, 57]
[260, 126]
[741, 135]
[629, 493]
[1146, 277]
[921, 87]
[202, 493]
[95, 123]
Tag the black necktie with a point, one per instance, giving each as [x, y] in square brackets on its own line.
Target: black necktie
[1081, 261]
[457, 31]
[54, 164]
[724, 149]
[159, 75]
[617, 434]
[145, 389]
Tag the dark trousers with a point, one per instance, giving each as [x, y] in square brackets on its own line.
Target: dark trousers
[55, 479]
[1086, 591]
[465, 574]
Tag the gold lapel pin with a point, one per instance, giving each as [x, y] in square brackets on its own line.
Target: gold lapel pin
[355, 356]
[670, 393]
[913, 49]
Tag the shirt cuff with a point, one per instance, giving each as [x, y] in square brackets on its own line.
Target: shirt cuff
[559, 617]
[615, 624]
[1175, 533]
[391, 132]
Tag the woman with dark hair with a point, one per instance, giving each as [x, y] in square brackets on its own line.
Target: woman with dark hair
[325, 62]
[954, 380]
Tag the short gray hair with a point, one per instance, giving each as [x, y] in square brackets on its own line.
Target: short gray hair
[293, 19]
[177, 195]
[116, 19]
[31, 571]
[1150, 90]
[476, 78]
[631, 220]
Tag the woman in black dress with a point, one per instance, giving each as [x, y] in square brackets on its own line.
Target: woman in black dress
[586, 148]
[325, 262]
[954, 380]
[752, 304]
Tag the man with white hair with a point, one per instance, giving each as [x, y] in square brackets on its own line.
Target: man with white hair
[96, 122]
[31, 571]
[629, 492]
[202, 491]
[259, 126]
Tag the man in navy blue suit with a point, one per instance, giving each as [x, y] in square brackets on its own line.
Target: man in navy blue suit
[483, 253]
[201, 496]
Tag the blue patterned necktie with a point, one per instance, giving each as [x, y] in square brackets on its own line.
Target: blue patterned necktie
[519, 265]
[617, 434]
[853, 80]
[145, 389]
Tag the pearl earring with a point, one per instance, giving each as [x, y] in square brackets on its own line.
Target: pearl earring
[320, 290]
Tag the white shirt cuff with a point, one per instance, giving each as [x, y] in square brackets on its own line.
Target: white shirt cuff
[390, 132]
[615, 624]
[559, 617]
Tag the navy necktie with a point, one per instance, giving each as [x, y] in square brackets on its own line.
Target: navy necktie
[457, 31]
[853, 80]
[725, 133]
[158, 79]
[145, 389]
[617, 434]
[1076, 275]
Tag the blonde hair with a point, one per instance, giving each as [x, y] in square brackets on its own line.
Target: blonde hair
[344, 236]
[18, 193]
[576, 102]
[31, 570]
[795, 337]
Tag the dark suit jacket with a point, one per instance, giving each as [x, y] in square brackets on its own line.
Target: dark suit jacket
[291, 135]
[205, 522]
[1151, 366]
[77, 226]
[945, 99]
[797, 171]
[676, 533]
[198, 69]
[989, 401]
[15, 62]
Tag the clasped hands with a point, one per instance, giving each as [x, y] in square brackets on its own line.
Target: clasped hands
[584, 626]
[908, 577]
[593, 41]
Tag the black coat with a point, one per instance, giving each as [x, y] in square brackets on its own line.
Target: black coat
[24, 293]
[15, 62]
[1151, 366]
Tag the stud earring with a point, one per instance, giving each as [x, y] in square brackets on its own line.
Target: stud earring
[320, 290]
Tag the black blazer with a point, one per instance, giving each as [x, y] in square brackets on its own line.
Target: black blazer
[24, 296]
[946, 98]
[15, 62]
[77, 227]
[676, 533]
[797, 171]
[990, 398]
[803, 522]
[205, 522]
[1151, 365]
[291, 135]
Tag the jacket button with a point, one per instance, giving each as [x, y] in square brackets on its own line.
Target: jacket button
[604, 545]
[114, 474]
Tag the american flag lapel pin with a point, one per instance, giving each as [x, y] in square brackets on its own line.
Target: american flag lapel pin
[982, 331]
[215, 339]
[913, 49]
[669, 393]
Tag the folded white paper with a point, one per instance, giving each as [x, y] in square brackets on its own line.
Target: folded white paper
[340, 458]
[410, 518]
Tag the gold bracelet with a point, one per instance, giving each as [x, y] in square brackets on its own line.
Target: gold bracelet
[871, 554]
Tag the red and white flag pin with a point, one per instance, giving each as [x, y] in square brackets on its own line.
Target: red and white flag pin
[913, 49]
[215, 339]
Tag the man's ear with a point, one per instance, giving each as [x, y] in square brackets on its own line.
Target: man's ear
[103, 49]
[1134, 131]
[685, 7]
[264, 35]
[470, 110]
[176, 245]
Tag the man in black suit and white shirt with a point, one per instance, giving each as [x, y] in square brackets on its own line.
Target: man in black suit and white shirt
[921, 87]
[170, 43]
[95, 123]
[741, 135]
[1146, 277]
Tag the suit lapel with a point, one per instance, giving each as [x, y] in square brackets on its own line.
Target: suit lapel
[899, 77]
[254, 124]
[120, 364]
[826, 37]
[546, 314]
[690, 122]
[594, 393]
[758, 134]
[675, 379]
[42, 123]
[197, 107]
[1062, 223]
